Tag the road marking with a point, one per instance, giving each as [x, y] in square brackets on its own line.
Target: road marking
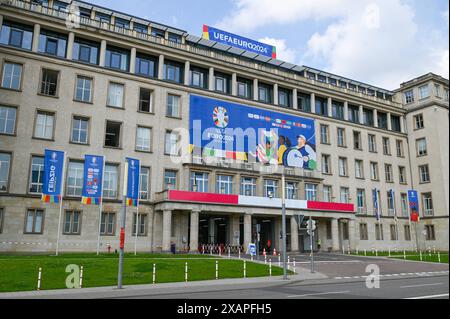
[424, 285]
[429, 297]
[320, 294]
[418, 274]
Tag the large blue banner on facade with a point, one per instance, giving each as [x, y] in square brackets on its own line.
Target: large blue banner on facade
[413, 200]
[234, 131]
[53, 176]
[133, 182]
[93, 180]
[213, 34]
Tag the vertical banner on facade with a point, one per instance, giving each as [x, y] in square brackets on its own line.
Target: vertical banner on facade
[413, 200]
[376, 204]
[93, 180]
[392, 202]
[53, 176]
[133, 182]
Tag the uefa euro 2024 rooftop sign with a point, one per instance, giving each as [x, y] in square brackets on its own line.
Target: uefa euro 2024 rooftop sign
[213, 34]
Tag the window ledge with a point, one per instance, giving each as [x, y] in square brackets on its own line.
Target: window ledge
[47, 95]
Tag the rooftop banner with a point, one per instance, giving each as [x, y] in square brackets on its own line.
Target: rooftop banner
[213, 34]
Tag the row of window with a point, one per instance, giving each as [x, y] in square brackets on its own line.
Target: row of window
[425, 92]
[430, 234]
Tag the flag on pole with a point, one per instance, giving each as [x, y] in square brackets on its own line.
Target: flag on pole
[376, 204]
[53, 176]
[133, 182]
[93, 180]
[413, 200]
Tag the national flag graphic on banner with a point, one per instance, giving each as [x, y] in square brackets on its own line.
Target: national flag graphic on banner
[53, 175]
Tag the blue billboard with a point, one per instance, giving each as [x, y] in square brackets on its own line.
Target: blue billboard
[93, 180]
[229, 130]
[133, 182]
[53, 176]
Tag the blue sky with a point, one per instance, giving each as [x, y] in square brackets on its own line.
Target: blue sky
[381, 42]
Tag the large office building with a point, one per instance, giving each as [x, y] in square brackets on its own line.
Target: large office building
[84, 79]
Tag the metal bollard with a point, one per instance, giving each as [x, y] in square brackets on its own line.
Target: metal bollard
[294, 266]
[239, 252]
[265, 259]
[279, 260]
[39, 279]
[404, 255]
[270, 268]
[81, 277]
[217, 269]
[429, 251]
[365, 252]
[186, 272]
[154, 274]
[245, 269]
[229, 253]
[434, 250]
[376, 252]
[389, 252]
[289, 260]
[421, 256]
[439, 256]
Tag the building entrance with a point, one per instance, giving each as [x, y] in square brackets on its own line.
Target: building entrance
[213, 230]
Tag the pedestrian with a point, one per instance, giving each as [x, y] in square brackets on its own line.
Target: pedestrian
[269, 243]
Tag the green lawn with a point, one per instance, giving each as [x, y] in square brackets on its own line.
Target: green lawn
[426, 257]
[20, 272]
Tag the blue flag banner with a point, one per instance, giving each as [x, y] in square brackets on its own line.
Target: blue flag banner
[93, 180]
[53, 176]
[133, 182]
[413, 200]
[376, 204]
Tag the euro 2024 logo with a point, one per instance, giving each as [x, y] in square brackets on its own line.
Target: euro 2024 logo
[220, 117]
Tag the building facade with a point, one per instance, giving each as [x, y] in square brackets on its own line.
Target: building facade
[89, 80]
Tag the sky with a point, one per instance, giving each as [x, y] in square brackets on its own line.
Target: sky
[380, 42]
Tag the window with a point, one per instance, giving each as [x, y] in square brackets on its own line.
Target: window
[324, 134]
[224, 184]
[395, 123]
[145, 100]
[373, 171]
[345, 231]
[386, 146]
[171, 144]
[16, 35]
[421, 145]
[12, 75]
[158, 33]
[345, 195]
[265, 93]
[5, 165]
[121, 24]
[393, 229]
[222, 82]
[110, 184]
[108, 224]
[407, 231]
[80, 130]
[142, 229]
[311, 192]
[284, 97]
[379, 232]
[291, 190]
[327, 193]
[49, 82]
[404, 204]
[446, 94]
[304, 102]
[430, 233]
[117, 59]
[270, 188]
[144, 191]
[102, 17]
[199, 182]
[341, 137]
[363, 233]
[418, 122]
[402, 174]
[143, 139]
[359, 169]
[424, 174]
[115, 95]
[140, 28]
[174, 38]
[7, 120]
[60, 6]
[399, 147]
[361, 201]
[342, 166]
[329, 229]
[248, 186]
[170, 179]
[83, 91]
[338, 110]
[368, 117]
[372, 143]
[382, 120]
[173, 105]
[146, 65]
[86, 51]
[388, 173]
[321, 106]
[37, 174]
[2, 217]
[112, 134]
[173, 71]
[326, 164]
[391, 203]
[44, 125]
[427, 200]
[199, 77]
[34, 223]
[424, 91]
[75, 175]
[353, 113]
[409, 96]
[244, 88]
[72, 222]
[437, 90]
[52, 44]
[357, 144]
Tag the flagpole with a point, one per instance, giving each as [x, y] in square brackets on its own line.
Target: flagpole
[61, 204]
[122, 226]
[100, 210]
[137, 209]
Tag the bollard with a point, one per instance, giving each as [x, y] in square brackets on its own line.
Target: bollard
[289, 260]
[294, 266]
[343, 250]
[376, 252]
[217, 269]
[348, 251]
[39, 279]
[365, 252]
[245, 269]
[404, 255]
[429, 251]
[251, 257]
[357, 251]
[434, 250]
[81, 277]
[154, 273]
[186, 272]
[421, 256]
[265, 259]
[279, 260]
[229, 253]
[239, 252]
[439, 256]
[270, 268]
[389, 252]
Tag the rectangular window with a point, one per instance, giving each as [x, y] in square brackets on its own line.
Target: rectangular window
[345, 195]
[407, 231]
[83, 91]
[142, 222]
[284, 97]
[72, 223]
[395, 123]
[49, 82]
[158, 33]
[244, 88]
[357, 143]
[400, 149]
[326, 164]
[86, 51]
[145, 100]
[372, 143]
[418, 122]
[248, 186]
[7, 120]
[437, 90]
[270, 188]
[75, 174]
[265, 93]
[143, 139]
[353, 114]
[171, 144]
[409, 96]
[321, 106]
[311, 192]
[199, 182]
[113, 134]
[342, 166]
[329, 229]
[199, 77]
[382, 120]
[108, 224]
[427, 200]
[115, 95]
[80, 130]
[170, 179]
[345, 231]
[173, 105]
[53, 44]
[393, 229]
[144, 191]
[34, 223]
[118, 59]
[338, 110]
[327, 193]
[402, 174]
[222, 82]
[363, 233]
[110, 183]
[341, 140]
[146, 65]
[16, 35]
[361, 201]
[324, 134]
[424, 91]
[405, 205]
[2, 217]
[291, 190]
[5, 165]
[424, 174]
[44, 125]
[36, 175]
[12, 75]
[379, 232]
[121, 24]
[174, 38]
[359, 169]
[421, 145]
[386, 146]
[390, 203]
[430, 233]
[224, 184]
[368, 118]
[173, 71]
[374, 171]
[304, 102]
[388, 173]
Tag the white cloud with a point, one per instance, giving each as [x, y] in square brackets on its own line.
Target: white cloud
[283, 52]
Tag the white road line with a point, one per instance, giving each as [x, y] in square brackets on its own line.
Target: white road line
[429, 297]
[424, 285]
[319, 294]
